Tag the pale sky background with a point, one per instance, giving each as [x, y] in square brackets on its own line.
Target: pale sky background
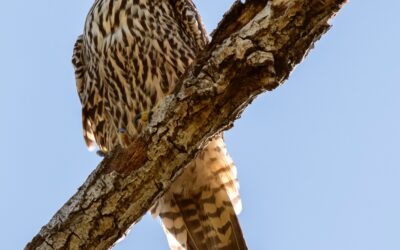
[318, 158]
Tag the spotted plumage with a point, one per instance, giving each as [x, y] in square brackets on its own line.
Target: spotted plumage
[130, 56]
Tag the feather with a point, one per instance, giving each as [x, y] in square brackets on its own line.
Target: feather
[198, 210]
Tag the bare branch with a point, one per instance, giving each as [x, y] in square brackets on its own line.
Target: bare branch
[254, 49]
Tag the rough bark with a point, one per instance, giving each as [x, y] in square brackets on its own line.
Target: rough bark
[254, 49]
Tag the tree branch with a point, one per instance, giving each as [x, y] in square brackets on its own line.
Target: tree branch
[254, 49]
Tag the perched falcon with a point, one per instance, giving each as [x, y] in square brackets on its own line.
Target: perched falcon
[129, 57]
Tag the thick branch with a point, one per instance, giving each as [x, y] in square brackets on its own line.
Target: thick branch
[253, 50]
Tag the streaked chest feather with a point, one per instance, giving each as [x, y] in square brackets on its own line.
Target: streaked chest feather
[135, 51]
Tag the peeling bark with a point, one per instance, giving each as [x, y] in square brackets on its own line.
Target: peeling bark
[254, 49]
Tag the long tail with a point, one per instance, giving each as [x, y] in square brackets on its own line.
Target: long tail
[199, 211]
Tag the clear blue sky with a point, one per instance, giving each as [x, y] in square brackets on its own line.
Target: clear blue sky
[318, 158]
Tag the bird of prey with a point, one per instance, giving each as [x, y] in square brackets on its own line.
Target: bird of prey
[130, 56]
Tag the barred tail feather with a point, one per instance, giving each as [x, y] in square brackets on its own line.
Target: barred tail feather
[199, 210]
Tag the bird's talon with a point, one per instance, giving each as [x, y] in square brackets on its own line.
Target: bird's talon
[101, 153]
[149, 116]
[143, 117]
[137, 118]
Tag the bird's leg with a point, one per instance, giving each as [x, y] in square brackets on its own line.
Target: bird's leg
[142, 119]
